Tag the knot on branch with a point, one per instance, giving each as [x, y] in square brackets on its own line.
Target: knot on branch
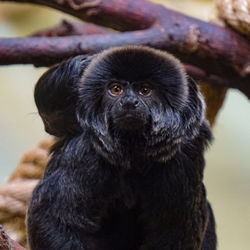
[79, 4]
[192, 39]
[246, 70]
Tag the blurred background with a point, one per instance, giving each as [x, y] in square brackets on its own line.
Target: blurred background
[227, 174]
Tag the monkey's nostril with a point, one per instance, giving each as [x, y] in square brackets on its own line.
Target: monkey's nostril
[130, 104]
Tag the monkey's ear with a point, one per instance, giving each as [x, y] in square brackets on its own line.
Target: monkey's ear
[193, 113]
[56, 96]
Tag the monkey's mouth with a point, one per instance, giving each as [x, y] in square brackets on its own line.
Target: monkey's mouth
[130, 122]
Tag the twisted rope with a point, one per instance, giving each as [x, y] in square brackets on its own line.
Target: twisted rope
[15, 194]
[235, 13]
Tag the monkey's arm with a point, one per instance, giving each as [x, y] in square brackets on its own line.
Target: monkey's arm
[177, 209]
[56, 95]
[177, 218]
[67, 206]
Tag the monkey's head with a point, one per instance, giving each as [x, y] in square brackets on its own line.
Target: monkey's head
[133, 93]
[126, 87]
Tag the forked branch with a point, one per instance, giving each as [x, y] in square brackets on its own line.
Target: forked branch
[215, 53]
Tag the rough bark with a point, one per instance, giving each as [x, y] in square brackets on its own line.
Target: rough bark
[217, 54]
[67, 28]
[7, 243]
[122, 15]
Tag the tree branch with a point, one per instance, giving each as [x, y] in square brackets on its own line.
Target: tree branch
[80, 28]
[122, 15]
[7, 243]
[42, 51]
[214, 52]
[67, 28]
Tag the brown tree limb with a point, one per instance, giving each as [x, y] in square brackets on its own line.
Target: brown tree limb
[214, 52]
[42, 51]
[122, 15]
[66, 28]
[6, 243]
[47, 51]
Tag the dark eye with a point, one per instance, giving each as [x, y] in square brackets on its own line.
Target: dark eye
[115, 89]
[145, 90]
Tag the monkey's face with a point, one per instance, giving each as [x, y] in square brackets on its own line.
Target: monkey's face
[130, 104]
[127, 89]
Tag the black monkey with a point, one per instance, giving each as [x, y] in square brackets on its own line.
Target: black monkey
[127, 170]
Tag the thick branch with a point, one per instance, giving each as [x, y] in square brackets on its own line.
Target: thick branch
[67, 28]
[42, 51]
[80, 28]
[47, 51]
[123, 15]
[221, 53]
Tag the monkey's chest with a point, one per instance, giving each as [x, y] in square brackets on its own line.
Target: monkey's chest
[136, 185]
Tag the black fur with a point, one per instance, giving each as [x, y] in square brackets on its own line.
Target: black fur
[127, 171]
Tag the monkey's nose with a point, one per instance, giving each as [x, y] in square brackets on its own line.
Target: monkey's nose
[129, 104]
